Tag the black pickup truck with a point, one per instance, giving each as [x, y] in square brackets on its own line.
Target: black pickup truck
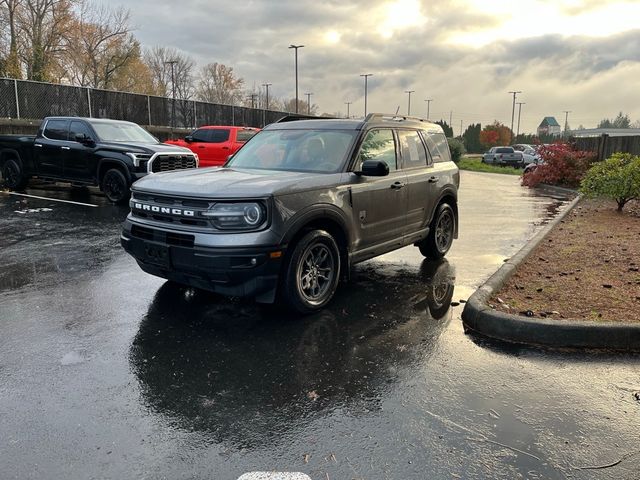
[111, 154]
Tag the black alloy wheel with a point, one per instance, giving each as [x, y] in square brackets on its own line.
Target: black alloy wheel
[312, 272]
[115, 186]
[13, 176]
[441, 234]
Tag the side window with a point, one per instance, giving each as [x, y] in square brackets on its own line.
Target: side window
[438, 147]
[56, 129]
[443, 147]
[378, 145]
[78, 128]
[244, 135]
[412, 148]
[219, 136]
[201, 135]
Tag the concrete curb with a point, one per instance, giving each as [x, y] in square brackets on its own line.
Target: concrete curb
[479, 317]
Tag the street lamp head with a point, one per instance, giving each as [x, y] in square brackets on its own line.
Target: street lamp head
[366, 74]
[295, 46]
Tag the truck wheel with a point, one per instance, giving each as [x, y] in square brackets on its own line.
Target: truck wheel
[115, 186]
[440, 238]
[311, 272]
[13, 176]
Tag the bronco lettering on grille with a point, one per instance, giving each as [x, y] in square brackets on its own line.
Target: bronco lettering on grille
[165, 210]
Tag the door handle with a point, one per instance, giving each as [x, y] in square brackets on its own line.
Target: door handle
[397, 185]
[225, 148]
[433, 179]
[65, 148]
[201, 146]
[39, 145]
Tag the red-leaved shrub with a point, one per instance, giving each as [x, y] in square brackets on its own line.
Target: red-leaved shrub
[562, 166]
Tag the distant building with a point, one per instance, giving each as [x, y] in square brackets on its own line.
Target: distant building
[549, 126]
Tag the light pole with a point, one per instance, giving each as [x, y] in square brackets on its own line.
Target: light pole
[308, 94]
[296, 47]
[266, 86]
[173, 92]
[253, 97]
[409, 105]
[566, 121]
[347, 104]
[366, 76]
[513, 111]
[519, 112]
[428, 100]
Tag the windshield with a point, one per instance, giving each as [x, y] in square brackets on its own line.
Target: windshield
[321, 151]
[122, 132]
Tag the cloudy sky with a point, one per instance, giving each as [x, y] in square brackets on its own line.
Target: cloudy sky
[466, 55]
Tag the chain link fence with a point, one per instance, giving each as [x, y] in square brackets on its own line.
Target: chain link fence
[25, 99]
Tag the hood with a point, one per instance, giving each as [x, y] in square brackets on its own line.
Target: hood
[136, 147]
[233, 183]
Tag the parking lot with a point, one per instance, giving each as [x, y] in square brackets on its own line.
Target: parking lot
[107, 372]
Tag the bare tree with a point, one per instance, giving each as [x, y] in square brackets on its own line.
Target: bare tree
[43, 29]
[9, 15]
[218, 84]
[159, 61]
[100, 45]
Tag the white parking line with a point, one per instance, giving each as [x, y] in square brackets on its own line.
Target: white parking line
[53, 199]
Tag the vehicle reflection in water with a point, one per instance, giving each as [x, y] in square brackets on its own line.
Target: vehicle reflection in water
[246, 374]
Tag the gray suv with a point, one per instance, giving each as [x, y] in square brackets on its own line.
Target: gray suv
[296, 206]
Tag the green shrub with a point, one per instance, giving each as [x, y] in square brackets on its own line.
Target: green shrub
[457, 149]
[617, 177]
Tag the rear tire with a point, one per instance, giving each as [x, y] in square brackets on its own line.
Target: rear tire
[115, 186]
[13, 176]
[441, 233]
[312, 272]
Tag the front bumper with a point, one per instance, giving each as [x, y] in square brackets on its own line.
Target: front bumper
[231, 271]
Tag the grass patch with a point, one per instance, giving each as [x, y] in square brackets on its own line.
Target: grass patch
[473, 164]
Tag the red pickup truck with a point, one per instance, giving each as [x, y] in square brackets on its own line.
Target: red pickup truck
[214, 144]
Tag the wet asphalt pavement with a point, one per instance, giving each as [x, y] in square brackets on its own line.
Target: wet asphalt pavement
[107, 372]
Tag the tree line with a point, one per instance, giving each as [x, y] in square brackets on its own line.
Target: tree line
[76, 42]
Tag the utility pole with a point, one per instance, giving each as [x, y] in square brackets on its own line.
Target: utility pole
[366, 76]
[566, 121]
[266, 86]
[428, 100]
[308, 94]
[451, 119]
[296, 47]
[460, 128]
[173, 93]
[513, 111]
[347, 104]
[409, 105]
[519, 112]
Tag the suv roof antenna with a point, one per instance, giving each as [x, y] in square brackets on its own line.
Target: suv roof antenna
[397, 110]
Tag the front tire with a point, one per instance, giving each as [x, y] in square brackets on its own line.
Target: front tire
[441, 234]
[312, 272]
[13, 175]
[115, 186]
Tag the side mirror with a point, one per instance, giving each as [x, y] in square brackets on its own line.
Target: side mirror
[188, 139]
[374, 168]
[84, 139]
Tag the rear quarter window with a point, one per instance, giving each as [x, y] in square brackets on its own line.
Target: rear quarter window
[438, 147]
[244, 135]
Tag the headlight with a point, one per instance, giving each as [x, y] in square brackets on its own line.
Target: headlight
[237, 216]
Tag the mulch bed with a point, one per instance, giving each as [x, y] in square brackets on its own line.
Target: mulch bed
[587, 268]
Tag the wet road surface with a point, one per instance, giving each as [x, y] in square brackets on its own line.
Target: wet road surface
[106, 372]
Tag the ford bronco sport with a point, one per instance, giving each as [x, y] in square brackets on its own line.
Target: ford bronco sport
[294, 208]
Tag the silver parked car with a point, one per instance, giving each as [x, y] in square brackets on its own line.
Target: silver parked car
[505, 156]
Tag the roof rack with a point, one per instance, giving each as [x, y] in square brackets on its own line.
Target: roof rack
[392, 118]
[293, 117]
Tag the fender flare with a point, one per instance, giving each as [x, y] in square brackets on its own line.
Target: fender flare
[116, 162]
[313, 213]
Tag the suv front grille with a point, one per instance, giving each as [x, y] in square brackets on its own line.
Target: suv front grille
[170, 238]
[169, 162]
